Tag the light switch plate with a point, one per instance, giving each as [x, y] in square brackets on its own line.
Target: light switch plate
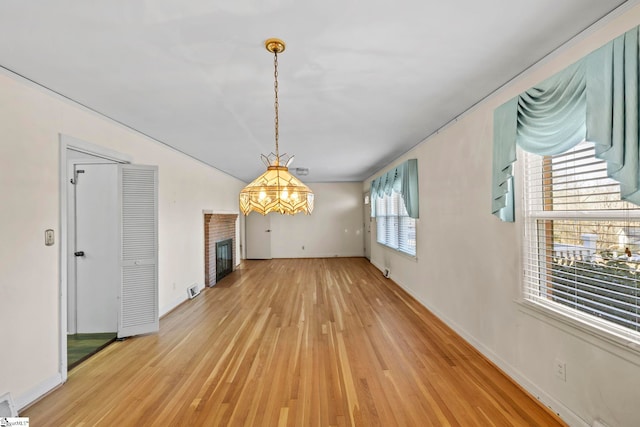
[49, 239]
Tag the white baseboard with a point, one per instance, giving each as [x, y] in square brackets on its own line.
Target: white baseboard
[38, 391]
[322, 255]
[173, 304]
[379, 267]
[554, 405]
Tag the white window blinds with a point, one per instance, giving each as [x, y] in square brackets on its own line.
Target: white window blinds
[582, 243]
[395, 228]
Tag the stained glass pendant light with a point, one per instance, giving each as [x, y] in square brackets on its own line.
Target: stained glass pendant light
[276, 190]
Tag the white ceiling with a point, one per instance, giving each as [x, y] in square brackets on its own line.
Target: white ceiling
[361, 82]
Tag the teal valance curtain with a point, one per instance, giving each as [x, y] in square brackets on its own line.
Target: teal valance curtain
[596, 98]
[612, 110]
[505, 125]
[402, 179]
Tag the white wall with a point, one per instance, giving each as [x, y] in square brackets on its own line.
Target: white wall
[31, 120]
[333, 229]
[469, 266]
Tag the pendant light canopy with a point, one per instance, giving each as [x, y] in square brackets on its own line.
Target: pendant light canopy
[276, 190]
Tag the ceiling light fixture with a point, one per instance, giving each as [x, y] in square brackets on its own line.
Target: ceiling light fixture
[276, 190]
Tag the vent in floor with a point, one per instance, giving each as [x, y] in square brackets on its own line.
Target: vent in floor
[193, 291]
[7, 409]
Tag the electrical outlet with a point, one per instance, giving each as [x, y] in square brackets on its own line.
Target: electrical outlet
[560, 369]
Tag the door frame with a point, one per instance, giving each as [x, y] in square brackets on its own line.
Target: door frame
[70, 143]
[366, 222]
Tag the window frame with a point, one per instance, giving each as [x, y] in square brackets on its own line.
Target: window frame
[606, 335]
[402, 214]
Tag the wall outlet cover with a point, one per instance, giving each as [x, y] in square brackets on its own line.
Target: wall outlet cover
[560, 369]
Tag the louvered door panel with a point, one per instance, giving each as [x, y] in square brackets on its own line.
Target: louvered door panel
[139, 255]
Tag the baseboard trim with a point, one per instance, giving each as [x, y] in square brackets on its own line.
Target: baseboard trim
[172, 305]
[38, 392]
[516, 376]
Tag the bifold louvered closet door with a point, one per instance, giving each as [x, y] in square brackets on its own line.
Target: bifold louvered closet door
[139, 250]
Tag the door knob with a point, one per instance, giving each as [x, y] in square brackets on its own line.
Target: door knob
[79, 253]
[267, 231]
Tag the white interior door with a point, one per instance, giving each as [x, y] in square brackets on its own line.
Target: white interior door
[96, 247]
[258, 230]
[138, 308]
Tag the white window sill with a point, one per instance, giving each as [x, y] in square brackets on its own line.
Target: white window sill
[619, 345]
[399, 252]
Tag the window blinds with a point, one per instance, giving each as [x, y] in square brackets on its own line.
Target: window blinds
[582, 243]
[393, 225]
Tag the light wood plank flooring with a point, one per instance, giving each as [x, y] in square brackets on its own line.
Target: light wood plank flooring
[305, 342]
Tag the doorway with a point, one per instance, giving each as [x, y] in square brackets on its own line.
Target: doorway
[258, 232]
[92, 306]
[82, 346]
[109, 217]
[92, 256]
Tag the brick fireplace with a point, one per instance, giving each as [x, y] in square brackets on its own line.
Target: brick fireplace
[217, 228]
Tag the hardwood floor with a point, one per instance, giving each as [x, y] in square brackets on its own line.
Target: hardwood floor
[304, 342]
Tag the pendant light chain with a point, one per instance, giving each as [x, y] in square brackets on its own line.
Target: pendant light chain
[275, 87]
[276, 190]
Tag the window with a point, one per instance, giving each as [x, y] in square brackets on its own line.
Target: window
[582, 242]
[395, 228]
